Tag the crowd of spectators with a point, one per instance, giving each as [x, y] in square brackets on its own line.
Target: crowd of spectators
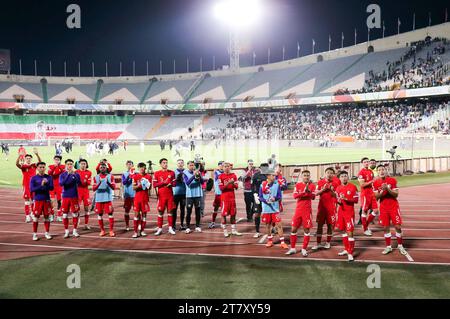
[323, 124]
[412, 70]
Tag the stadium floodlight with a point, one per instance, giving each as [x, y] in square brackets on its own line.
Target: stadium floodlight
[237, 15]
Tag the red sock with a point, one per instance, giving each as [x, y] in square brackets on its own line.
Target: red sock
[293, 240]
[47, 226]
[127, 220]
[170, 220]
[86, 218]
[399, 238]
[306, 238]
[329, 238]
[270, 239]
[135, 224]
[364, 221]
[75, 222]
[387, 238]
[319, 239]
[27, 209]
[111, 223]
[160, 221]
[100, 223]
[214, 217]
[345, 241]
[35, 227]
[351, 245]
[370, 219]
[282, 240]
[66, 223]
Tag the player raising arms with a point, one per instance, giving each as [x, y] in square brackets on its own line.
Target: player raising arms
[41, 184]
[163, 181]
[69, 181]
[270, 196]
[83, 189]
[304, 193]
[128, 192]
[217, 194]
[228, 182]
[347, 197]
[55, 171]
[386, 191]
[103, 187]
[368, 200]
[28, 171]
[141, 185]
[326, 213]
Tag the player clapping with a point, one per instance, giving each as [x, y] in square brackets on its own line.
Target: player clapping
[386, 191]
[83, 189]
[69, 181]
[304, 193]
[103, 187]
[128, 192]
[164, 180]
[41, 184]
[141, 185]
[228, 183]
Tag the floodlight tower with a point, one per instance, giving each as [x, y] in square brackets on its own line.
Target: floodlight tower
[237, 15]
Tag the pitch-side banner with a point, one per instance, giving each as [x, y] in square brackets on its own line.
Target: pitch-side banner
[5, 60]
[318, 100]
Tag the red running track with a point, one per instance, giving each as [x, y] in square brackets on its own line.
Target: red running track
[425, 212]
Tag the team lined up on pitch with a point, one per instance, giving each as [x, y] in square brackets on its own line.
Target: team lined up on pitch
[184, 190]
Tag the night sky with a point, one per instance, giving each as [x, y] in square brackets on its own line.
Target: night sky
[136, 30]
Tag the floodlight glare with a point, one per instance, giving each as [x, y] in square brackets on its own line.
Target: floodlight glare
[238, 13]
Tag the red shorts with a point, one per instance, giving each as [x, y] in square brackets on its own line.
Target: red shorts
[140, 206]
[368, 202]
[165, 202]
[302, 219]
[42, 207]
[228, 208]
[83, 196]
[104, 208]
[326, 215]
[345, 222]
[217, 201]
[70, 205]
[272, 218]
[128, 203]
[390, 217]
[56, 193]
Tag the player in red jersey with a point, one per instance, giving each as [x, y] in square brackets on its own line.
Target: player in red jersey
[347, 197]
[304, 193]
[28, 171]
[141, 185]
[83, 189]
[163, 181]
[228, 183]
[326, 212]
[368, 200]
[108, 165]
[55, 171]
[386, 191]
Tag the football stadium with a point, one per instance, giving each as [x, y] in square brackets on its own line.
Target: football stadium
[315, 170]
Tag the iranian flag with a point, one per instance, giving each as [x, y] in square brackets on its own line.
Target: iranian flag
[32, 127]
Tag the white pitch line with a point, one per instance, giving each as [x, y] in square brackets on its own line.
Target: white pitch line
[225, 255]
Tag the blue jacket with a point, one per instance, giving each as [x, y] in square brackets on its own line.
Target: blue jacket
[180, 188]
[217, 190]
[127, 182]
[193, 186]
[272, 190]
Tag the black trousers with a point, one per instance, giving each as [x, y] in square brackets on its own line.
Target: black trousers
[180, 200]
[249, 203]
[193, 202]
